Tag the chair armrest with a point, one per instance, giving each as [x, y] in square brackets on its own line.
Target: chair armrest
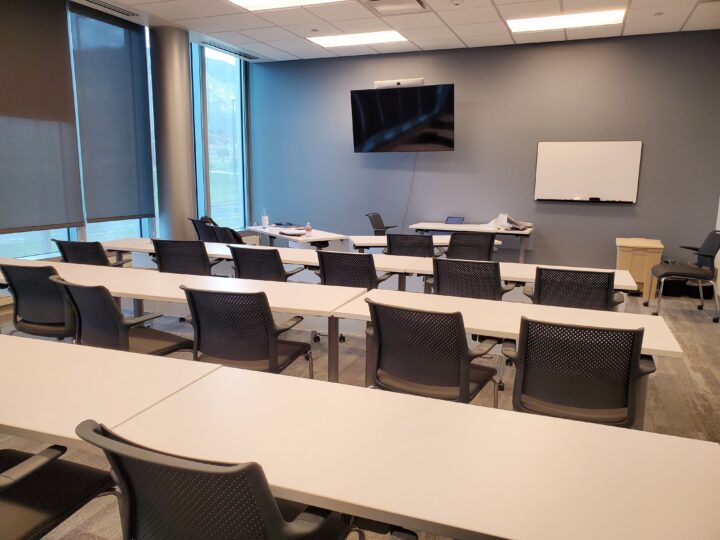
[690, 248]
[138, 321]
[287, 325]
[290, 273]
[30, 465]
[120, 263]
[529, 291]
[646, 366]
[509, 350]
[617, 299]
[385, 277]
[369, 331]
[390, 227]
[438, 252]
[482, 348]
[507, 287]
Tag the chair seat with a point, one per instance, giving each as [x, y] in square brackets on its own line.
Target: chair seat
[150, 341]
[603, 416]
[56, 330]
[682, 270]
[288, 351]
[479, 376]
[38, 503]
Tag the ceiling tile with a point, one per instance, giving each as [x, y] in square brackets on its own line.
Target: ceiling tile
[470, 16]
[705, 17]
[288, 17]
[650, 13]
[439, 43]
[611, 30]
[578, 6]
[539, 37]
[436, 32]
[525, 10]
[267, 51]
[243, 21]
[313, 30]
[398, 47]
[472, 31]
[205, 24]
[165, 10]
[303, 48]
[206, 8]
[415, 20]
[357, 26]
[654, 3]
[354, 50]
[233, 38]
[340, 12]
[488, 41]
[451, 5]
[272, 33]
[652, 27]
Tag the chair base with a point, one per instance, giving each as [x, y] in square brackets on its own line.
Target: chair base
[701, 306]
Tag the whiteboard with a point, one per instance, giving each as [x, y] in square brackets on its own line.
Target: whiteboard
[588, 171]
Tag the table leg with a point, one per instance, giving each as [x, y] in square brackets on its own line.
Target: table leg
[333, 349]
[118, 256]
[402, 279]
[360, 249]
[521, 255]
[271, 240]
[368, 360]
[138, 308]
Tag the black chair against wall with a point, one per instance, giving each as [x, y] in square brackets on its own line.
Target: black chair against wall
[39, 491]
[581, 373]
[164, 496]
[349, 270]
[703, 272]
[238, 329]
[438, 366]
[182, 257]
[102, 324]
[91, 253]
[262, 264]
[39, 306]
[226, 235]
[574, 288]
[209, 221]
[204, 230]
[378, 225]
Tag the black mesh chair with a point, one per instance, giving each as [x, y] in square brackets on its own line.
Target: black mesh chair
[238, 329]
[437, 365]
[85, 253]
[574, 288]
[262, 264]
[703, 272]
[226, 235]
[39, 306]
[469, 279]
[472, 246]
[182, 257]
[40, 491]
[378, 225]
[581, 373]
[204, 230]
[411, 245]
[164, 496]
[349, 270]
[102, 324]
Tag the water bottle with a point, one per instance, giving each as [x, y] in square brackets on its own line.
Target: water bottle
[265, 219]
[308, 230]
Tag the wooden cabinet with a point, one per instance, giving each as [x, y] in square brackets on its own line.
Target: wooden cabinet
[638, 256]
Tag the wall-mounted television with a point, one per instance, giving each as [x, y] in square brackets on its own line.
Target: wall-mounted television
[404, 119]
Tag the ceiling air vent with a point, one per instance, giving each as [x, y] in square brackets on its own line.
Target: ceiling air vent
[396, 7]
[231, 50]
[110, 7]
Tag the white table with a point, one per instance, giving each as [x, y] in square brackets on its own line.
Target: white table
[523, 235]
[457, 470]
[525, 273]
[318, 238]
[283, 297]
[48, 388]
[361, 243]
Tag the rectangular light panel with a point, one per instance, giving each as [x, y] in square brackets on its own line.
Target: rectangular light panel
[259, 5]
[570, 20]
[366, 38]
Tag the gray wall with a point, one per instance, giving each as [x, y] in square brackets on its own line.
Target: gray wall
[663, 90]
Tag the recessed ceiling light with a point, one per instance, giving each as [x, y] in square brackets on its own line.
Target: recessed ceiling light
[259, 5]
[570, 20]
[366, 38]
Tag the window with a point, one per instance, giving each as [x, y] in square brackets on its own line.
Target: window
[32, 244]
[113, 230]
[219, 134]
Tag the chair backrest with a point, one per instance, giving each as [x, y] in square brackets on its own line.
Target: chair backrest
[421, 347]
[454, 220]
[471, 279]
[347, 269]
[232, 326]
[574, 288]
[253, 263]
[165, 496]
[412, 245]
[709, 249]
[82, 252]
[99, 319]
[226, 235]
[577, 367]
[36, 299]
[376, 221]
[182, 257]
[209, 221]
[204, 230]
[473, 246]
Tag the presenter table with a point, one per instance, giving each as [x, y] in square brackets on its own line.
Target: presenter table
[470, 227]
[318, 238]
[452, 469]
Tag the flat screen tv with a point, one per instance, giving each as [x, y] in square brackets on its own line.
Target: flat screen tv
[410, 119]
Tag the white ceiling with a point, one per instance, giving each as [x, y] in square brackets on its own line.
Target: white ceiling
[280, 34]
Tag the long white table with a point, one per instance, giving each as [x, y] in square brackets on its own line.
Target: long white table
[48, 388]
[523, 235]
[458, 470]
[291, 297]
[317, 238]
[361, 243]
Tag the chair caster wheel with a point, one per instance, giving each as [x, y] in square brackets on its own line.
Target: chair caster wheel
[508, 362]
[654, 313]
[701, 308]
[716, 319]
[646, 304]
[501, 386]
[342, 339]
[316, 339]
